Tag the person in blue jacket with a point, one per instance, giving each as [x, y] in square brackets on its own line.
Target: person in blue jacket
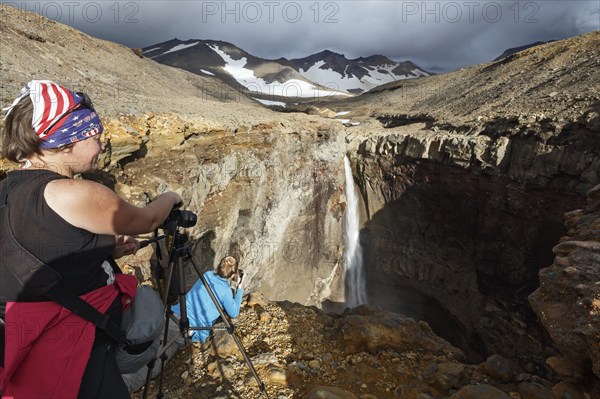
[201, 310]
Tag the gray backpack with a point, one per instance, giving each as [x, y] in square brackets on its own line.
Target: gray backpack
[143, 323]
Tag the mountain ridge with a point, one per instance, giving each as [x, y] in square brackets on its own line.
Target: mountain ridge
[514, 50]
[331, 72]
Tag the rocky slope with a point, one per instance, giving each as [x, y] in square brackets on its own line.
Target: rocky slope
[118, 80]
[301, 352]
[514, 50]
[465, 180]
[551, 84]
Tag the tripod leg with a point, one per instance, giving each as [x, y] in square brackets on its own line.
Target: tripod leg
[152, 364]
[167, 286]
[148, 378]
[184, 323]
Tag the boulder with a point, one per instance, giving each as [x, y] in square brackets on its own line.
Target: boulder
[567, 390]
[533, 390]
[563, 368]
[499, 368]
[256, 298]
[222, 344]
[482, 391]
[445, 376]
[368, 329]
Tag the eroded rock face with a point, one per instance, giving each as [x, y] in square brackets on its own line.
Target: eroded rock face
[268, 193]
[568, 299]
[459, 225]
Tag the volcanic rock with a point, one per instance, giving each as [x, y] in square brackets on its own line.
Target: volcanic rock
[482, 391]
[568, 300]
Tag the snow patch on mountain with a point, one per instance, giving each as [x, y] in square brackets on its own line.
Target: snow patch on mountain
[329, 77]
[178, 48]
[418, 72]
[289, 88]
[374, 76]
[269, 102]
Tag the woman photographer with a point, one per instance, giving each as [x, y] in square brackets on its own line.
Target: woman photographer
[201, 310]
[72, 225]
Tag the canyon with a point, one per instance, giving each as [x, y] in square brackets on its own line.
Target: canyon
[479, 216]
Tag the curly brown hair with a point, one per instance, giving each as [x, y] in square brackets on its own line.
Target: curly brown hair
[227, 267]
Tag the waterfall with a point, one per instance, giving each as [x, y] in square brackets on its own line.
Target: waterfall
[356, 290]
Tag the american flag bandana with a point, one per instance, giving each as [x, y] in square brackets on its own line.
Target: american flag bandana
[60, 116]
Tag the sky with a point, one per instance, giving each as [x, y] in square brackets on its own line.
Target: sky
[439, 36]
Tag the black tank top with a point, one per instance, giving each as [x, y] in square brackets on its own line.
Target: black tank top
[75, 253]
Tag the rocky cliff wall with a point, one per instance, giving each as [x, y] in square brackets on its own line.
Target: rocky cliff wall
[269, 193]
[459, 226]
[568, 299]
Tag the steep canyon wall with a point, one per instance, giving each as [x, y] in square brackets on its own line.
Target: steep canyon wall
[459, 226]
[271, 194]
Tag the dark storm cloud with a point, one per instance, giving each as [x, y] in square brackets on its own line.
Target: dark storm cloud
[439, 35]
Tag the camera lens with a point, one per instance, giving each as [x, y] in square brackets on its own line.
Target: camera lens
[179, 218]
[186, 219]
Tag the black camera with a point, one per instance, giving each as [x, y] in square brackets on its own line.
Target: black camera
[180, 218]
[241, 273]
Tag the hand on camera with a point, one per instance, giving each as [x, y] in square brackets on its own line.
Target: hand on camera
[125, 245]
[241, 281]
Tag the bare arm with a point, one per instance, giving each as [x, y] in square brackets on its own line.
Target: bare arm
[97, 209]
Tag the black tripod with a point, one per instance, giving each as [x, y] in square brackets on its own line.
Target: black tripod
[179, 250]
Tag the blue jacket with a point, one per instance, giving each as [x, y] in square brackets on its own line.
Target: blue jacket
[201, 310]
